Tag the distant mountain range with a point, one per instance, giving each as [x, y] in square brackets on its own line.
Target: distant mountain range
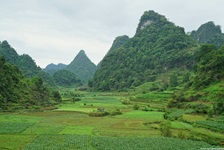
[81, 66]
[158, 48]
[52, 68]
[24, 62]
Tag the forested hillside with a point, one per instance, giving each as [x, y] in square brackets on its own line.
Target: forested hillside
[19, 92]
[209, 33]
[52, 68]
[66, 78]
[82, 67]
[24, 62]
[118, 42]
[207, 83]
[158, 48]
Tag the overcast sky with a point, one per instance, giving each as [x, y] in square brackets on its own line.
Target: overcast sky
[54, 31]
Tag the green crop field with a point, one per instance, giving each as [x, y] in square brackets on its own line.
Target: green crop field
[68, 142]
[71, 126]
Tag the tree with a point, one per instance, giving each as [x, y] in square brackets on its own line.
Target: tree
[57, 96]
[66, 78]
[165, 128]
[173, 80]
[186, 77]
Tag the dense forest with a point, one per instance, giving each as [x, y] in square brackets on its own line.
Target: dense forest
[19, 92]
[81, 67]
[209, 33]
[163, 55]
[52, 68]
[66, 78]
[24, 62]
[118, 42]
[207, 83]
[158, 48]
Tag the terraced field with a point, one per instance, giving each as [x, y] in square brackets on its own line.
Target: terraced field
[71, 127]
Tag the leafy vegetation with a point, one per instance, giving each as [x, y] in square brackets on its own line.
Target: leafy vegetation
[52, 68]
[214, 125]
[112, 143]
[24, 62]
[13, 127]
[172, 94]
[75, 129]
[66, 78]
[18, 92]
[207, 84]
[157, 48]
[209, 33]
[82, 67]
[88, 142]
[176, 114]
[118, 42]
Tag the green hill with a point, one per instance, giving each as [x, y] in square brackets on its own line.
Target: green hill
[157, 48]
[206, 86]
[24, 62]
[66, 78]
[82, 67]
[19, 92]
[118, 42]
[209, 33]
[52, 68]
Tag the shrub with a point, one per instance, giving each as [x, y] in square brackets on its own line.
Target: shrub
[135, 107]
[115, 112]
[165, 128]
[126, 102]
[146, 109]
[98, 114]
[181, 135]
[36, 107]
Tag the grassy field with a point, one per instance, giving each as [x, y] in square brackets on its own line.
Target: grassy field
[71, 127]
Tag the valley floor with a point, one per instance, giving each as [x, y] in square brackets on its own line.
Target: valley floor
[72, 127]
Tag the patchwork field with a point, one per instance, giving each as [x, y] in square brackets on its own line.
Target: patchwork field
[121, 126]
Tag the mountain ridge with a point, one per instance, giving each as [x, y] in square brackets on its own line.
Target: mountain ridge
[53, 68]
[158, 46]
[82, 66]
[24, 62]
[209, 33]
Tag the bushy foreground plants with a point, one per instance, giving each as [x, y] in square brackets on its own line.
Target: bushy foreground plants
[81, 142]
[213, 125]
